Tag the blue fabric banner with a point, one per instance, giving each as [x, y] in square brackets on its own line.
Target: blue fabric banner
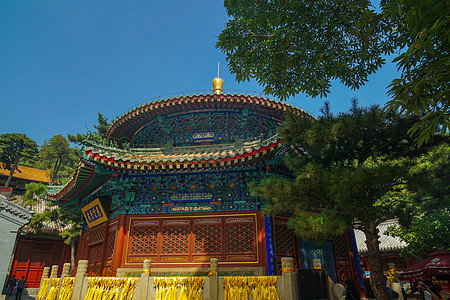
[269, 246]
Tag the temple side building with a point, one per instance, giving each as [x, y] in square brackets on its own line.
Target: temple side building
[32, 249]
[170, 184]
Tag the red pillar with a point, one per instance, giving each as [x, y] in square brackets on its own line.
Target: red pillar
[118, 249]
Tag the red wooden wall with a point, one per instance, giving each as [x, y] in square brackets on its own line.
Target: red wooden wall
[33, 254]
[236, 239]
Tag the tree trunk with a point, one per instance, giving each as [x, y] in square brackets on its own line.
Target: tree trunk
[16, 161]
[376, 268]
[72, 256]
[56, 169]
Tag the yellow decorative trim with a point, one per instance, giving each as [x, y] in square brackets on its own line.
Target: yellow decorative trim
[174, 258]
[240, 257]
[212, 273]
[288, 270]
[205, 258]
[145, 271]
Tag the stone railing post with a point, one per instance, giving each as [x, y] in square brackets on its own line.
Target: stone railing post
[79, 279]
[64, 274]
[317, 264]
[214, 279]
[288, 276]
[65, 270]
[53, 274]
[45, 274]
[142, 292]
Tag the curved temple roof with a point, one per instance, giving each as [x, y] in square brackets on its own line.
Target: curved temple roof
[129, 124]
[254, 141]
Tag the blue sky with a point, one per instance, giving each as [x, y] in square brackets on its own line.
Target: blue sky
[63, 61]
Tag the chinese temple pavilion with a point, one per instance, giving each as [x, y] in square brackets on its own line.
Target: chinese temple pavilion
[171, 185]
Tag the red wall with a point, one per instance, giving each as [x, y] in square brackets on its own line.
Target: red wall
[32, 255]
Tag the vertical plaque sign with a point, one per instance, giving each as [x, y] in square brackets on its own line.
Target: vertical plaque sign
[94, 214]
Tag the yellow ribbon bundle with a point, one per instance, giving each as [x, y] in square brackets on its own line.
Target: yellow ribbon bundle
[260, 287]
[53, 293]
[109, 288]
[196, 288]
[184, 281]
[43, 290]
[190, 288]
[66, 288]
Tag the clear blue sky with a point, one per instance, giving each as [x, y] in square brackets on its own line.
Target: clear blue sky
[63, 61]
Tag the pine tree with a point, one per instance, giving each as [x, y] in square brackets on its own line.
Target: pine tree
[13, 146]
[352, 162]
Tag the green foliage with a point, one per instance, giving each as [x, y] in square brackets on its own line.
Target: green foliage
[429, 184]
[300, 46]
[353, 175]
[321, 226]
[293, 47]
[428, 232]
[38, 221]
[14, 145]
[34, 190]
[73, 232]
[56, 154]
[72, 223]
[98, 136]
[422, 28]
[353, 160]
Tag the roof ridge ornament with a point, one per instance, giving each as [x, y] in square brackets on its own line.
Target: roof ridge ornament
[217, 83]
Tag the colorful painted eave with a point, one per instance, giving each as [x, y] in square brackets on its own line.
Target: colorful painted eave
[182, 161]
[87, 179]
[83, 182]
[133, 119]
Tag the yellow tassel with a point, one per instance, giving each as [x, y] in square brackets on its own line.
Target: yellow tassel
[43, 290]
[66, 288]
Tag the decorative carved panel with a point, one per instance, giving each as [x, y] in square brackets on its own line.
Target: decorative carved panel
[97, 234]
[193, 239]
[284, 240]
[240, 238]
[207, 239]
[343, 260]
[144, 240]
[175, 239]
[95, 252]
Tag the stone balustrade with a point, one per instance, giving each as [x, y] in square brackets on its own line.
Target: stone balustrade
[147, 286]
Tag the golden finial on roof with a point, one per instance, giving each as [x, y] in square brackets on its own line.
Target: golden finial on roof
[217, 83]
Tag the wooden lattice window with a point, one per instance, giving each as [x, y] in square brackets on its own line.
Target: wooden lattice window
[95, 252]
[207, 239]
[340, 246]
[240, 238]
[110, 243]
[86, 248]
[175, 240]
[97, 234]
[284, 240]
[144, 240]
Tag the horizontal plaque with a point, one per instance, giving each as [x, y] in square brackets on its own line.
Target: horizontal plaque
[239, 220]
[141, 258]
[176, 222]
[146, 223]
[242, 257]
[205, 258]
[207, 221]
[174, 258]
